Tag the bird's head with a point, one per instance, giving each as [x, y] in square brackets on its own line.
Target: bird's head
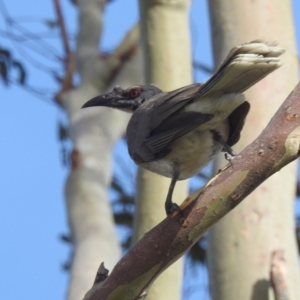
[127, 100]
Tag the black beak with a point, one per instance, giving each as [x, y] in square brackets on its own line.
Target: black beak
[113, 100]
[102, 100]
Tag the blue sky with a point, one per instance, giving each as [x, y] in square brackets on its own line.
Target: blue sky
[32, 176]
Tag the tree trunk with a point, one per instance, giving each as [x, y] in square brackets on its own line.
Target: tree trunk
[94, 133]
[166, 41]
[241, 244]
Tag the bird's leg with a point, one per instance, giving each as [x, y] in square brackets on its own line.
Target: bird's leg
[169, 205]
[230, 153]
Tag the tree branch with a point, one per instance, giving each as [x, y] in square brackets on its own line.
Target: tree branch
[277, 146]
[67, 81]
[62, 26]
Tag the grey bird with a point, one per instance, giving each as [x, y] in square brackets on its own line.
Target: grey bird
[177, 133]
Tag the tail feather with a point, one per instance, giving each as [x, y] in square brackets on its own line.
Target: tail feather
[243, 67]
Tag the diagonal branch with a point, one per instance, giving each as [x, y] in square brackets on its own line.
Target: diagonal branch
[277, 146]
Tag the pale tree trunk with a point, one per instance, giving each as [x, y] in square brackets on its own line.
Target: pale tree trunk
[242, 243]
[93, 133]
[166, 42]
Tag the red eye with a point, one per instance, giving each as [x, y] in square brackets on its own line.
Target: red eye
[134, 93]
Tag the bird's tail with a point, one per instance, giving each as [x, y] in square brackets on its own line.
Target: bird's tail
[243, 67]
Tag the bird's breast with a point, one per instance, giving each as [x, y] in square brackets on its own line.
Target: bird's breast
[191, 152]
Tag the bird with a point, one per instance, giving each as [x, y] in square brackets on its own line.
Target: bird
[177, 133]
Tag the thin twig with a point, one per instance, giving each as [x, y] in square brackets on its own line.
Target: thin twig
[62, 26]
[67, 82]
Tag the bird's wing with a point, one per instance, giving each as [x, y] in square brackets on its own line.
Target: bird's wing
[173, 129]
[243, 67]
[166, 104]
[236, 123]
[160, 121]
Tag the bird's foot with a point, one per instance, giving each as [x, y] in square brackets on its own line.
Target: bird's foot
[171, 207]
[230, 156]
[217, 137]
[229, 150]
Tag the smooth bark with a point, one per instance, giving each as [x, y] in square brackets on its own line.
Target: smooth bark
[241, 244]
[166, 44]
[93, 133]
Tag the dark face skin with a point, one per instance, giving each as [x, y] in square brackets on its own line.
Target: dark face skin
[127, 100]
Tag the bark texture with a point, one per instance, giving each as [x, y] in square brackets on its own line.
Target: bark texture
[166, 44]
[241, 244]
[276, 147]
